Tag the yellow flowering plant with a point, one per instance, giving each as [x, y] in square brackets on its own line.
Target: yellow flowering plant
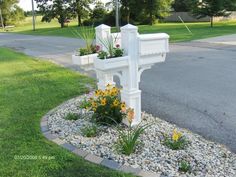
[176, 141]
[107, 106]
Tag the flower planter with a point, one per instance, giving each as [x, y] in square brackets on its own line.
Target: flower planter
[111, 63]
[83, 60]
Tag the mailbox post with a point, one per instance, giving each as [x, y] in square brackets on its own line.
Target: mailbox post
[141, 52]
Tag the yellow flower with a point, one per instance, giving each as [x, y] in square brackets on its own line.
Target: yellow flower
[103, 101]
[116, 102]
[107, 92]
[94, 104]
[176, 135]
[98, 93]
[130, 115]
[123, 107]
[114, 91]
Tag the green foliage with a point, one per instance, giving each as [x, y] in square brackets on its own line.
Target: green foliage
[11, 12]
[184, 166]
[117, 52]
[90, 130]
[81, 9]
[102, 55]
[87, 34]
[144, 11]
[59, 9]
[98, 12]
[29, 88]
[129, 139]
[176, 145]
[72, 116]
[83, 51]
[211, 8]
[85, 104]
[182, 5]
[112, 51]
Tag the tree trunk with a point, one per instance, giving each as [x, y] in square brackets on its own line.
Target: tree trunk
[62, 25]
[212, 19]
[151, 22]
[128, 16]
[79, 20]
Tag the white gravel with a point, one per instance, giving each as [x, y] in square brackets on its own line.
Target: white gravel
[206, 158]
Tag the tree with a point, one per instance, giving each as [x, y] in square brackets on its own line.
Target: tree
[81, 9]
[182, 5]
[157, 8]
[98, 11]
[59, 9]
[211, 8]
[131, 8]
[11, 12]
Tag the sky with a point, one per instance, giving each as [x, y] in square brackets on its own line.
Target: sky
[26, 4]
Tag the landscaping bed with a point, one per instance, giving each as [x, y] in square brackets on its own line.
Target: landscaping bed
[200, 157]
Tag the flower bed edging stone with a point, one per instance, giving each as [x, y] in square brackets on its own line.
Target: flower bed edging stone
[88, 156]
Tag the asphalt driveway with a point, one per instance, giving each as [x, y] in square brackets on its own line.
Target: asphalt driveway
[195, 88]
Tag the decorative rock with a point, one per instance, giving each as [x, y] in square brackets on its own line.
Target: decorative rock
[205, 157]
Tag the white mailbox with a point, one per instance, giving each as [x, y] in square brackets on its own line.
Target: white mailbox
[153, 48]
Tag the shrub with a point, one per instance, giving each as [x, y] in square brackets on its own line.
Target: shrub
[72, 116]
[176, 141]
[102, 55]
[184, 166]
[90, 130]
[117, 52]
[107, 106]
[129, 139]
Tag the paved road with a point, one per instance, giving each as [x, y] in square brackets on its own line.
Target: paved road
[195, 88]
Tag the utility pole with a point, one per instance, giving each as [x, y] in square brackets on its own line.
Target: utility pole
[117, 15]
[33, 15]
[1, 18]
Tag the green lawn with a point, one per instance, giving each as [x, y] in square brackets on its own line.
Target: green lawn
[177, 31]
[29, 88]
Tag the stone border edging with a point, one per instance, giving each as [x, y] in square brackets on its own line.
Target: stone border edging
[88, 156]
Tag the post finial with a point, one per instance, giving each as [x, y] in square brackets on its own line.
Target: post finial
[102, 27]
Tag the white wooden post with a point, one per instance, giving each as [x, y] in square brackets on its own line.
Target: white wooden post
[103, 32]
[130, 92]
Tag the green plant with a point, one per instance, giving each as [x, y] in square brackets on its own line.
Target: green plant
[108, 44]
[90, 130]
[85, 104]
[129, 139]
[111, 50]
[72, 116]
[87, 34]
[117, 51]
[184, 166]
[176, 141]
[83, 51]
[102, 55]
[107, 106]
